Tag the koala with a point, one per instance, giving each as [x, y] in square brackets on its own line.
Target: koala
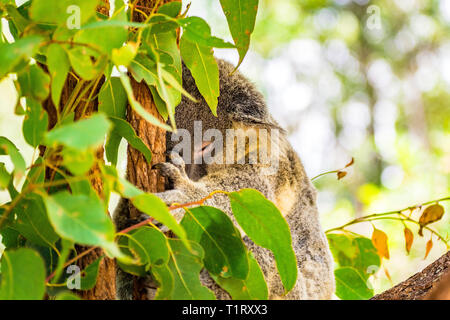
[243, 115]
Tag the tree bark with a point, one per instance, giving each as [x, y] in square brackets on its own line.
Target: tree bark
[105, 288]
[139, 172]
[432, 283]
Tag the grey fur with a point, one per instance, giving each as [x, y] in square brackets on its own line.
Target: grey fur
[240, 105]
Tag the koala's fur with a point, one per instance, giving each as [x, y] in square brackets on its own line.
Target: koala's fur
[241, 106]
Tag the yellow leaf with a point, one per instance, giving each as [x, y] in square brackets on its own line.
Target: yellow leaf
[388, 275]
[379, 240]
[409, 237]
[350, 163]
[341, 174]
[429, 246]
[431, 214]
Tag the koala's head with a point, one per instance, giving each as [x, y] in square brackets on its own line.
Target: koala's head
[240, 106]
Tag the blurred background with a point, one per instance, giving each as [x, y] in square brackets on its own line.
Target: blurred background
[348, 78]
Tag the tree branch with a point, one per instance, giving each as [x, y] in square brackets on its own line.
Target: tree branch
[431, 283]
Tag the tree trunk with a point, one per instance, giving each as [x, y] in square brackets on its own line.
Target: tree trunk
[430, 284]
[105, 288]
[139, 172]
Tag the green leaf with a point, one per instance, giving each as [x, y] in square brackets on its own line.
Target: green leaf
[161, 23]
[134, 266]
[104, 38]
[66, 295]
[153, 206]
[263, 223]
[138, 107]
[80, 135]
[252, 288]
[35, 123]
[89, 275]
[124, 55]
[159, 102]
[143, 68]
[34, 83]
[150, 245]
[197, 30]
[82, 219]
[200, 61]
[241, 17]
[58, 12]
[350, 285]
[5, 177]
[23, 275]
[80, 59]
[163, 275]
[225, 252]
[32, 221]
[356, 252]
[119, 184]
[58, 65]
[173, 84]
[8, 148]
[20, 22]
[10, 237]
[78, 162]
[124, 130]
[36, 173]
[171, 9]
[66, 248]
[12, 55]
[185, 267]
[112, 99]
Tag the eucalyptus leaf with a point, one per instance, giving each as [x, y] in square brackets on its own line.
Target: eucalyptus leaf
[241, 17]
[112, 98]
[89, 275]
[32, 221]
[185, 266]
[200, 61]
[80, 135]
[254, 287]
[23, 275]
[5, 177]
[35, 123]
[197, 30]
[138, 107]
[58, 65]
[156, 208]
[13, 55]
[350, 285]
[82, 219]
[264, 224]
[8, 148]
[123, 129]
[150, 245]
[63, 12]
[225, 252]
[78, 162]
[34, 83]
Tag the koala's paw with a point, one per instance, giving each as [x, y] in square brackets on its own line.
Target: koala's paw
[174, 171]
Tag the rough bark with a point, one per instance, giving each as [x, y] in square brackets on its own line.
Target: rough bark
[139, 172]
[105, 286]
[431, 283]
